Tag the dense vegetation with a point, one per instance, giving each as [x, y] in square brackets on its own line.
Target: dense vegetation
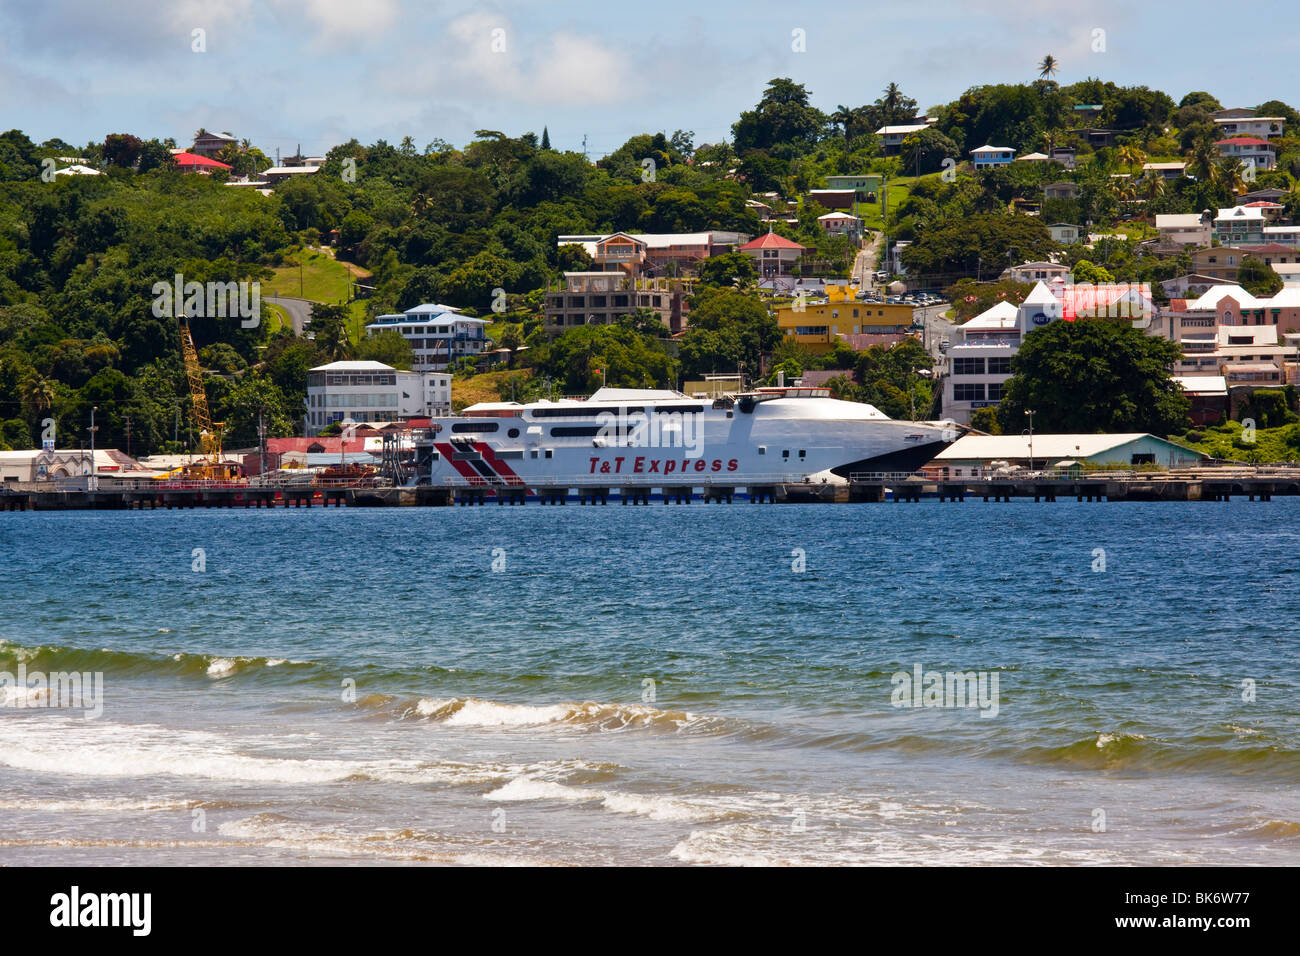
[79, 255]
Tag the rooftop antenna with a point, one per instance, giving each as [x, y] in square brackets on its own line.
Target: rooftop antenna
[584, 146]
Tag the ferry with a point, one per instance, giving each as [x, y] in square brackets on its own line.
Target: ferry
[660, 438]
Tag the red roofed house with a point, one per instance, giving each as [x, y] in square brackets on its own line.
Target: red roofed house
[1249, 149]
[194, 163]
[775, 255]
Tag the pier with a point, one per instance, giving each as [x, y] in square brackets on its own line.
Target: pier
[1201, 484]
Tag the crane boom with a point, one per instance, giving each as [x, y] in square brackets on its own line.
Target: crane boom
[209, 431]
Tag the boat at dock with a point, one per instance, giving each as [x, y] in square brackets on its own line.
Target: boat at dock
[662, 438]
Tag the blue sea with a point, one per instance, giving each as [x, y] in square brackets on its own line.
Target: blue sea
[958, 683]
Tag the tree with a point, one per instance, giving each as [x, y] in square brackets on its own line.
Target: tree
[329, 328]
[728, 329]
[894, 107]
[546, 138]
[1258, 278]
[1094, 376]
[387, 346]
[1047, 67]
[1200, 98]
[122, 149]
[928, 149]
[978, 244]
[782, 121]
[730, 268]
[1085, 271]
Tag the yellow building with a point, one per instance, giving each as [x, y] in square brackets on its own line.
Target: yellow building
[816, 325]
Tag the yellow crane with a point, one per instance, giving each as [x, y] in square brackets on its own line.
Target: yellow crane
[211, 466]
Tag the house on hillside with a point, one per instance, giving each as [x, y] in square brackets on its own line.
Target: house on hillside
[987, 156]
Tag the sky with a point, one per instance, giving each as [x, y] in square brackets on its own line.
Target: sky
[316, 73]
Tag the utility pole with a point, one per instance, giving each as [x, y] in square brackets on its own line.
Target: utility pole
[128, 436]
[261, 443]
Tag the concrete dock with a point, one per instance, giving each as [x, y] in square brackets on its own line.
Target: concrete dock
[1263, 484]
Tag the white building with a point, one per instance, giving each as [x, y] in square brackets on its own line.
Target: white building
[1266, 127]
[1239, 226]
[1183, 229]
[979, 362]
[891, 137]
[373, 392]
[1064, 233]
[841, 224]
[439, 334]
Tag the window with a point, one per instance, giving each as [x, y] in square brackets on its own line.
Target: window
[968, 366]
[576, 431]
[968, 393]
[995, 392]
[1000, 365]
[549, 453]
[1143, 459]
[475, 427]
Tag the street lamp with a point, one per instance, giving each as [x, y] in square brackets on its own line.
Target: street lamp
[91, 484]
[1030, 413]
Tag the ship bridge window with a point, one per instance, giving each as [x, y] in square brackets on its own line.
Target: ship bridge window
[475, 427]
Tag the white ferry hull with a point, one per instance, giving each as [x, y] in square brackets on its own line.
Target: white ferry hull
[701, 443]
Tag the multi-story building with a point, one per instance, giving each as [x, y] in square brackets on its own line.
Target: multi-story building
[439, 334]
[653, 254]
[817, 325]
[602, 298]
[1184, 229]
[841, 224]
[1250, 150]
[1239, 226]
[373, 392]
[1229, 332]
[979, 362]
[774, 255]
[1266, 127]
[891, 137]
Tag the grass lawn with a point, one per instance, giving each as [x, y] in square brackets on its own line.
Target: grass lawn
[896, 190]
[322, 278]
[276, 318]
[479, 388]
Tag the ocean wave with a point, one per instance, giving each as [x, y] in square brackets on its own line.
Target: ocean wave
[54, 658]
[651, 806]
[474, 712]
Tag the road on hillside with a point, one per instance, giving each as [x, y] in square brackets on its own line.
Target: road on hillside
[298, 310]
[864, 264]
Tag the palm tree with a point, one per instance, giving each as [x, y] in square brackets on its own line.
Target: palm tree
[1047, 67]
[1132, 157]
[1204, 157]
[843, 116]
[37, 393]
